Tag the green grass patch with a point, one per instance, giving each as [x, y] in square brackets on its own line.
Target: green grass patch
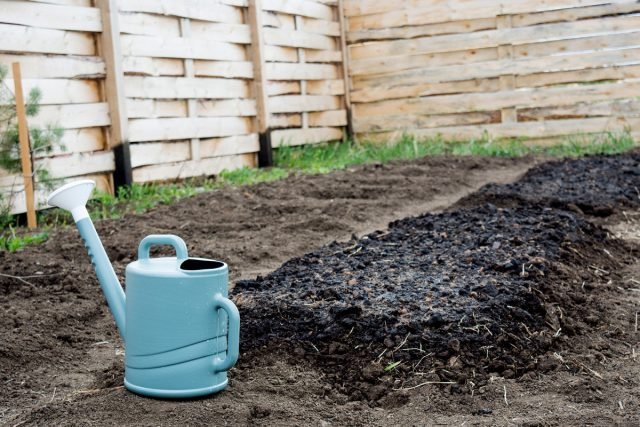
[312, 159]
[324, 158]
[11, 242]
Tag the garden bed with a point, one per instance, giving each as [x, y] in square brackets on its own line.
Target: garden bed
[514, 305]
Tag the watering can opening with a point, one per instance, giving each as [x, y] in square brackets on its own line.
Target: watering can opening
[193, 264]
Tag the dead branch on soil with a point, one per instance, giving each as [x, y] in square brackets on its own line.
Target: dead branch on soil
[423, 384]
[96, 390]
[22, 278]
[506, 402]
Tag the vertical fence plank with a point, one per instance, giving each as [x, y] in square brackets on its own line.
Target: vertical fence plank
[265, 155]
[115, 96]
[345, 68]
[303, 83]
[25, 150]
[185, 31]
[507, 82]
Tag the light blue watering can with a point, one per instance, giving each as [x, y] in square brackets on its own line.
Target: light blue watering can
[180, 330]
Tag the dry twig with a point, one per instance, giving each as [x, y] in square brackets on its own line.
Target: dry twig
[423, 384]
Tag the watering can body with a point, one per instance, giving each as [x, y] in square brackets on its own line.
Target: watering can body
[181, 330]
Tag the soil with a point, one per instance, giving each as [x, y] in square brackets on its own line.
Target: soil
[515, 305]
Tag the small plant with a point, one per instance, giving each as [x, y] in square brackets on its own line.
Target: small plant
[11, 242]
[42, 141]
[391, 366]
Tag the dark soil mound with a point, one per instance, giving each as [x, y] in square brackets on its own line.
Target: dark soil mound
[595, 185]
[468, 293]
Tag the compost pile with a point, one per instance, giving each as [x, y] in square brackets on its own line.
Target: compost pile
[596, 186]
[454, 297]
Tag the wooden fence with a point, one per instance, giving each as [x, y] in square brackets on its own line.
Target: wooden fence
[152, 90]
[165, 89]
[463, 68]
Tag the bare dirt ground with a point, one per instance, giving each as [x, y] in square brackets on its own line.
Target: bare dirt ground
[61, 360]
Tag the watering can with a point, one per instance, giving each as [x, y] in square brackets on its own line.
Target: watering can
[180, 330]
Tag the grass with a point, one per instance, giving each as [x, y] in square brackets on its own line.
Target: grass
[312, 159]
[11, 242]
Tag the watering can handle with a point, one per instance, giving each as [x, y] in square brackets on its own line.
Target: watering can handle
[162, 239]
[233, 335]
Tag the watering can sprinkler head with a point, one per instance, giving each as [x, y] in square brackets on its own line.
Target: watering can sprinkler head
[73, 198]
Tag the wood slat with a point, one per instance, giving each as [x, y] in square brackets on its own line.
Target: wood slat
[232, 33]
[385, 65]
[146, 24]
[155, 109]
[490, 69]
[590, 75]
[492, 38]
[325, 87]
[574, 14]
[279, 121]
[299, 103]
[310, 9]
[181, 47]
[370, 7]
[421, 13]
[185, 87]
[146, 66]
[61, 91]
[296, 71]
[282, 88]
[388, 92]
[278, 20]
[16, 38]
[291, 137]
[328, 118]
[44, 67]
[82, 3]
[239, 144]
[227, 108]
[237, 69]
[195, 9]
[280, 54]
[617, 108]
[319, 26]
[454, 27]
[56, 17]
[81, 140]
[489, 101]
[585, 44]
[537, 129]
[422, 121]
[292, 38]
[142, 130]
[156, 153]
[290, 54]
[169, 26]
[188, 169]
[72, 116]
[77, 164]
[323, 56]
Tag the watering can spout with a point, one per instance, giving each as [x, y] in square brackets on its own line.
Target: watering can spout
[73, 198]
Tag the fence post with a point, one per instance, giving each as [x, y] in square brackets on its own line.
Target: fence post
[25, 149]
[265, 155]
[345, 69]
[114, 92]
[507, 82]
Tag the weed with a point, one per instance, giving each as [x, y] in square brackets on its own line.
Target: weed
[12, 242]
